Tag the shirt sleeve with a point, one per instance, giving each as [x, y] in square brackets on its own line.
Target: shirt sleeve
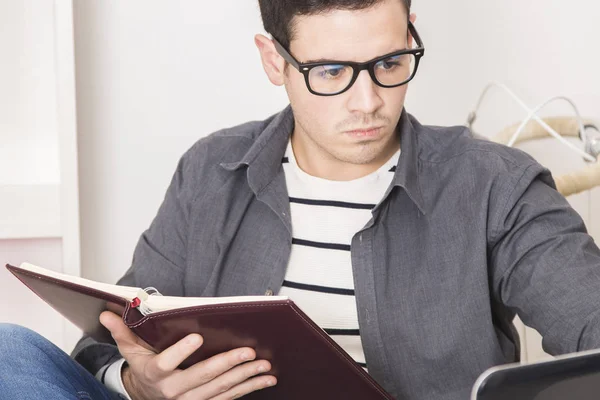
[110, 376]
[544, 265]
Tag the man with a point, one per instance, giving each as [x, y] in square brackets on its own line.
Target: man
[413, 246]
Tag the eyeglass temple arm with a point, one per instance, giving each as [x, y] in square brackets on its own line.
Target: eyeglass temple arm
[288, 57]
[415, 34]
[285, 54]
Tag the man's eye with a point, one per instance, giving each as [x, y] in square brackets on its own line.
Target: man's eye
[389, 63]
[332, 71]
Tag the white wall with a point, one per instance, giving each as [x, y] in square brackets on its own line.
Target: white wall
[540, 48]
[28, 139]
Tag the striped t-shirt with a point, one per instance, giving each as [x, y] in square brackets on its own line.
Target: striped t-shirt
[325, 216]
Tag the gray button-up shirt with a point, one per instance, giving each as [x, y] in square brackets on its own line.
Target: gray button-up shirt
[468, 234]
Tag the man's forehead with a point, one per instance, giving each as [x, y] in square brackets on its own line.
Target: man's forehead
[350, 35]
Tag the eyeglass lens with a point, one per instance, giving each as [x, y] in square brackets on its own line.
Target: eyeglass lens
[334, 78]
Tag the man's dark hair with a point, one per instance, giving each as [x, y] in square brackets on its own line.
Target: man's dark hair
[277, 15]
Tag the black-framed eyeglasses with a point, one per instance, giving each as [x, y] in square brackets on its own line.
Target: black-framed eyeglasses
[330, 78]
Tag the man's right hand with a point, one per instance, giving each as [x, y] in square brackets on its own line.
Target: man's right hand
[151, 376]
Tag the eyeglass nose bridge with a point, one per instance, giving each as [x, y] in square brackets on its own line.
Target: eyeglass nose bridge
[358, 68]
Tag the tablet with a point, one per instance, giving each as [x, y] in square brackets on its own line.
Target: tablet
[573, 376]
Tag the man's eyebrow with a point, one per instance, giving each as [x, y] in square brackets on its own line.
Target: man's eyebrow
[319, 60]
[331, 61]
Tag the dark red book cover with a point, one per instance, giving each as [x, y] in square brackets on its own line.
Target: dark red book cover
[308, 364]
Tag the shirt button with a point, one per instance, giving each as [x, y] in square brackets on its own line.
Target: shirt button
[269, 292]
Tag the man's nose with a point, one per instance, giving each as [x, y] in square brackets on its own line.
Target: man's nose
[364, 96]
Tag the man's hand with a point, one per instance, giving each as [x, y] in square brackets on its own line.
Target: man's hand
[152, 376]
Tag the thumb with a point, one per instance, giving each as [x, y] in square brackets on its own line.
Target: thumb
[126, 340]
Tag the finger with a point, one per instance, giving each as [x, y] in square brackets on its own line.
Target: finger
[209, 369]
[248, 386]
[232, 378]
[170, 358]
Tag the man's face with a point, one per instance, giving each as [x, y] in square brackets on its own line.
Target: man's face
[340, 128]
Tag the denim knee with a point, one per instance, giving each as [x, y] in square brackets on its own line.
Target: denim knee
[17, 341]
[13, 330]
[9, 333]
[32, 367]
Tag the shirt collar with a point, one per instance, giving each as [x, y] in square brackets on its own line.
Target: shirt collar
[264, 157]
[407, 171]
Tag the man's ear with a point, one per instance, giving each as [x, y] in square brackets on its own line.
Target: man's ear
[412, 18]
[273, 63]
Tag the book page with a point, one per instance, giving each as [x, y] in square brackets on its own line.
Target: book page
[162, 303]
[149, 303]
[126, 292]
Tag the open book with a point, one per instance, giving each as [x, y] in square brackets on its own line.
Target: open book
[147, 300]
[308, 364]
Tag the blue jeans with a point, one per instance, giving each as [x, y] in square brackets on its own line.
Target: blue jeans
[33, 368]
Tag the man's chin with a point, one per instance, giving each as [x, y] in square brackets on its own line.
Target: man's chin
[365, 153]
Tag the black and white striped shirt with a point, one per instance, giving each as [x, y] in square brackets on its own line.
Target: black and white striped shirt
[325, 216]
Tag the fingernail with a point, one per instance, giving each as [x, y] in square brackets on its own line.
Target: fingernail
[245, 355]
[261, 369]
[270, 382]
